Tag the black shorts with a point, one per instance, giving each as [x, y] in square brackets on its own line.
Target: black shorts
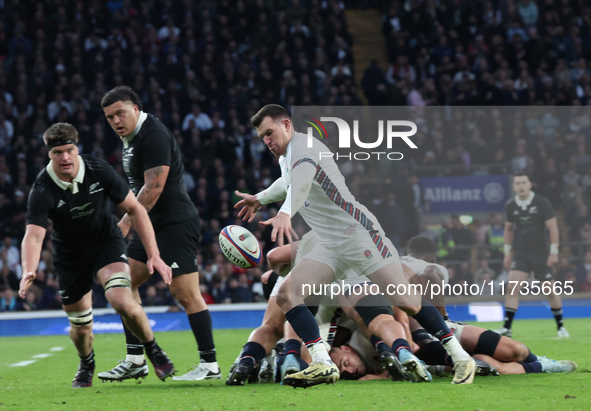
[536, 264]
[76, 271]
[177, 244]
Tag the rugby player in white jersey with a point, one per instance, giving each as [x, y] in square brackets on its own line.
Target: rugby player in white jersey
[343, 226]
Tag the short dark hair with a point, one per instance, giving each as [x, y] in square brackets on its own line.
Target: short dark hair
[421, 247]
[520, 174]
[121, 93]
[60, 131]
[274, 111]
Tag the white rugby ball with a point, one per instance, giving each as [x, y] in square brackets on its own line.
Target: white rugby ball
[240, 246]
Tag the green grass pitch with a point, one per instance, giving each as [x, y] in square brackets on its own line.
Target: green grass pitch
[45, 384]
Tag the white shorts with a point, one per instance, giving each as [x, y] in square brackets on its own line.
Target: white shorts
[456, 329]
[275, 289]
[361, 255]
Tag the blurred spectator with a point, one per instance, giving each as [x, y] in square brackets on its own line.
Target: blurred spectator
[482, 271]
[8, 301]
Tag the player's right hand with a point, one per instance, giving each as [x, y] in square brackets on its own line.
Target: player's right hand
[507, 262]
[25, 283]
[250, 205]
[156, 263]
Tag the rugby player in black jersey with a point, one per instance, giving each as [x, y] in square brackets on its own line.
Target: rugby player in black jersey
[529, 219]
[74, 191]
[153, 164]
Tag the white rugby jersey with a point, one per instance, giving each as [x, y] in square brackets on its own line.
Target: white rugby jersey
[330, 209]
[369, 355]
[419, 266]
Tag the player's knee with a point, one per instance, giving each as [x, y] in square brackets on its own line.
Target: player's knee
[410, 309]
[81, 321]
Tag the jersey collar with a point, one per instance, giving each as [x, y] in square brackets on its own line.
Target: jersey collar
[140, 122]
[523, 204]
[64, 185]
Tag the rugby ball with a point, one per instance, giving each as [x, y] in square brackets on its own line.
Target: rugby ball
[240, 246]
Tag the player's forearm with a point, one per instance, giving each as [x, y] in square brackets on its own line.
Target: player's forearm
[275, 192]
[554, 238]
[144, 228]
[31, 252]
[508, 235]
[148, 196]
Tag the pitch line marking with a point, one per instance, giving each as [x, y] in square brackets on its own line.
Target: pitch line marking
[22, 363]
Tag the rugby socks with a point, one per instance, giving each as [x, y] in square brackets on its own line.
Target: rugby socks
[509, 314]
[88, 361]
[201, 325]
[135, 349]
[304, 324]
[252, 351]
[292, 347]
[434, 353]
[531, 367]
[430, 318]
[399, 344]
[557, 313]
[531, 357]
[380, 345]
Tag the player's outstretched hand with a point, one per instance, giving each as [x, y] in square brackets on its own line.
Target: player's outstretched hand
[157, 264]
[507, 262]
[281, 227]
[250, 205]
[25, 283]
[552, 259]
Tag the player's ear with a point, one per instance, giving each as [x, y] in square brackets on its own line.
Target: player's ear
[345, 348]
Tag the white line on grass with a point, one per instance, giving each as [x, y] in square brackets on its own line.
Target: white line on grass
[56, 349]
[22, 363]
[41, 356]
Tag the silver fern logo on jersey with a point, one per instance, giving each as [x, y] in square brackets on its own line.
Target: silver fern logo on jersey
[388, 130]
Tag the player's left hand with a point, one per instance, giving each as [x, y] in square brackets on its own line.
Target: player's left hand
[281, 227]
[552, 259]
[156, 263]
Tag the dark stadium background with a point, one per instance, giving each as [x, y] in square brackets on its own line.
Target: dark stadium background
[205, 67]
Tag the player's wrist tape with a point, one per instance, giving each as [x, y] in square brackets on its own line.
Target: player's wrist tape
[507, 249]
[554, 249]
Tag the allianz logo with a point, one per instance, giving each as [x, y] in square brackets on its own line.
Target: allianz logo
[491, 193]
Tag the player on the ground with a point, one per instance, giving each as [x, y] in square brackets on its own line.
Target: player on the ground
[499, 351]
[74, 192]
[529, 219]
[349, 237]
[153, 164]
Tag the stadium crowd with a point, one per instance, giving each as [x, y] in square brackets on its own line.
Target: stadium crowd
[201, 68]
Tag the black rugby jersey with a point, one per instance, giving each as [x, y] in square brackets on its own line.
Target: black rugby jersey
[154, 145]
[530, 232]
[81, 220]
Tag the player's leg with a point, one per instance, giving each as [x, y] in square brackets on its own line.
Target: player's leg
[426, 314]
[295, 355]
[519, 273]
[478, 340]
[542, 364]
[139, 274]
[185, 288]
[80, 316]
[260, 342]
[503, 367]
[290, 298]
[545, 275]
[116, 281]
[376, 313]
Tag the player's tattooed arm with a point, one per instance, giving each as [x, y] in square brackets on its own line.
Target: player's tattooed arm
[154, 182]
